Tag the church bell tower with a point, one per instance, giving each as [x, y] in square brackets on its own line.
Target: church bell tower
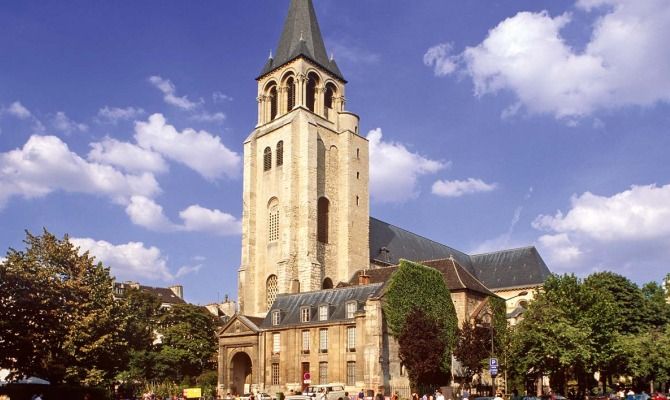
[305, 217]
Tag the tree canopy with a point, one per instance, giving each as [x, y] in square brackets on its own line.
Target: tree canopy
[417, 287]
[58, 317]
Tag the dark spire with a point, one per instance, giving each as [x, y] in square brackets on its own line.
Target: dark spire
[302, 37]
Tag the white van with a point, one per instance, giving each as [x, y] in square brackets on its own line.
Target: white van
[334, 390]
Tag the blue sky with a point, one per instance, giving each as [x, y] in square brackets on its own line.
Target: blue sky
[492, 124]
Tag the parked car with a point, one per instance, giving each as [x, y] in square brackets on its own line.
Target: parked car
[335, 391]
[257, 396]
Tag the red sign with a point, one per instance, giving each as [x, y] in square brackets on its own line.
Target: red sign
[307, 376]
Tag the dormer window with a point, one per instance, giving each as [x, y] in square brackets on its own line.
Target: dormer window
[304, 314]
[323, 313]
[276, 317]
[351, 309]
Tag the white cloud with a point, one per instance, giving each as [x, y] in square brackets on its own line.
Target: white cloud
[219, 97]
[17, 110]
[501, 242]
[62, 123]
[127, 156]
[624, 63]
[200, 219]
[127, 261]
[148, 214]
[170, 93]
[440, 58]
[45, 164]
[627, 231]
[350, 52]
[199, 150]
[113, 115]
[187, 269]
[640, 213]
[217, 117]
[394, 170]
[459, 188]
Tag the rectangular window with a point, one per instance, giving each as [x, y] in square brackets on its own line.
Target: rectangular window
[323, 340]
[275, 373]
[305, 342]
[323, 313]
[304, 314]
[276, 344]
[323, 373]
[351, 338]
[351, 309]
[276, 317]
[351, 373]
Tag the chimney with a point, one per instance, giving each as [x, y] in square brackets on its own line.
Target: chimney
[178, 290]
[363, 278]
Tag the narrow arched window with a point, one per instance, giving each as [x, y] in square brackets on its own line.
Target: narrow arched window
[328, 98]
[270, 291]
[290, 94]
[273, 102]
[311, 92]
[280, 153]
[322, 220]
[267, 159]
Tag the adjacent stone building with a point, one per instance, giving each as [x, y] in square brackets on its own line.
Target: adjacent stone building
[314, 264]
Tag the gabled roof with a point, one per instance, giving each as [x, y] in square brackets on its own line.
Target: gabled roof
[165, 295]
[289, 305]
[252, 324]
[455, 276]
[301, 37]
[512, 268]
[389, 243]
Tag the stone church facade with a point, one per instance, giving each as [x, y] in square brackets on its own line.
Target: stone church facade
[314, 264]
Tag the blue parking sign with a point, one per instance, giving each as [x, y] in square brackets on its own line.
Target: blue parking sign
[493, 363]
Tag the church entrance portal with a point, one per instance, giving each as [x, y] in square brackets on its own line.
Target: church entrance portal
[240, 373]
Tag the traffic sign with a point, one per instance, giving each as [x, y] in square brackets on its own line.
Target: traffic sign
[493, 363]
[306, 376]
[493, 371]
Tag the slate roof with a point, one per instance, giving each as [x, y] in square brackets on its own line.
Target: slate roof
[456, 277]
[521, 267]
[512, 268]
[301, 37]
[165, 295]
[401, 243]
[290, 304]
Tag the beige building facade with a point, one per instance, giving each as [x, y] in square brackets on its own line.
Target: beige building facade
[314, 264]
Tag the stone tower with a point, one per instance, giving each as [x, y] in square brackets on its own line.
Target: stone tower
[305, 203]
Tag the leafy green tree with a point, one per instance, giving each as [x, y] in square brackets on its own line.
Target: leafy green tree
[472, 348]
[647, 355]
[627, 297]
[421, 348]
[188, 343]
[568, 330]
[58, 317]
[415, 286]
[656, 310]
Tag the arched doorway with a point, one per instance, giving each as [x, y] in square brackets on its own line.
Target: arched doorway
[240, 370]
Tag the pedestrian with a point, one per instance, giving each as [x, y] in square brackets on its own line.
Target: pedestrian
[630, 395]
[394, 396]
[465, 395]
[439, 395]
[415, 396]
[361, 394]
